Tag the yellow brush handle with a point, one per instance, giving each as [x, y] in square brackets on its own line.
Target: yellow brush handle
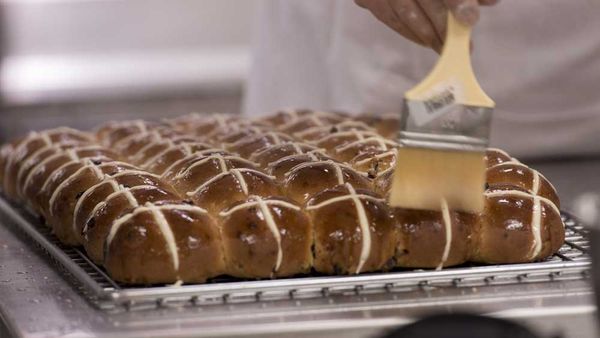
[454, 66]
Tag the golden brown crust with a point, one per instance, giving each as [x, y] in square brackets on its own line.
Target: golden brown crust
[266, 237]
[284, 116]
[507, 228]
[5, 152]
[319, 132]
[96, 194]
[282, 166]
[31, 145]
[307, 179]
[340, 139]
[341, 246]
[523, 177]
[140, 253]
[383, 183]
[64, 199]
[169, 155]
[246, 147]
[234, 131]
[116, 205]
[426, 242]
[201, 125]
[496, 156]
[266, 156]
[111, 133]
[52, 182]
[152, 149]
[374, 162]
[233, 135]
[387, 125]
[234, 185]
[191, 173]
[150, 228]
[178, 167]
[347, 152]
[317, 119]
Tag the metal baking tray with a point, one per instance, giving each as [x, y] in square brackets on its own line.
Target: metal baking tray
[571, 262]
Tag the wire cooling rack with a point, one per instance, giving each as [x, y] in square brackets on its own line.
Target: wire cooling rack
[570, 262]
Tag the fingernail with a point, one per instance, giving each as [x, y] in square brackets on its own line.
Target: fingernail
[467, 13]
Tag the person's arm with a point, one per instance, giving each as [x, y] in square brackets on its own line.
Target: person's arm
[424, 21]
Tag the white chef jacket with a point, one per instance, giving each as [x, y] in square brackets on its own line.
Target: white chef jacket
[538, 59]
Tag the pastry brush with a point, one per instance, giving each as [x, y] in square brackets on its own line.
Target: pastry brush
[444, 131]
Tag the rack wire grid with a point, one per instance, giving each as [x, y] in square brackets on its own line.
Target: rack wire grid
[571, 262]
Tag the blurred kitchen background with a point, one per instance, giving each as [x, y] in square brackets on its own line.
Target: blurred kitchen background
[81, 62]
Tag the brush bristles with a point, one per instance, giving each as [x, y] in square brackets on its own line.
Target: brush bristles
[424, 177]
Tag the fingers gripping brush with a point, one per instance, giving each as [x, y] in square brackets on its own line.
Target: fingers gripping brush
[444, 131]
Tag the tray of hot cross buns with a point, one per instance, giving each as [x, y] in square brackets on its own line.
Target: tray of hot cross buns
[206, 198]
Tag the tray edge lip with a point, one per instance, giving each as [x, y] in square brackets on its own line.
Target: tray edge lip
[106, 298]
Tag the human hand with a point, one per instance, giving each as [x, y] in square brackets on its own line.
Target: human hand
[424, 21]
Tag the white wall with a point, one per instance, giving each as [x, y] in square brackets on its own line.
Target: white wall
[62, 50]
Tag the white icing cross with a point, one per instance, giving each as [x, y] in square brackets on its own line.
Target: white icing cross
[297, 146]
[88, 164]
[263, 206]
[199, 154]
[156, 139]
[45, 136]
[74, 158]
[196, 119]
[512, 161]
[220, 120]
[274, 136]
[391, 153]
[170, 145]
[501, 152]
[383, 143]
[185, 147]
[126, 141]
[106, 179]
[233, 127]
[118, 189]
[448, 230]
[27, 163]
[239, 177]
[311, 154]
[342, 125]
[362, 219]
[59, 153]
[337, 168]
[292, 114]
[537, 176]
[536, 227]
[219, 158]
[536, 215]
[315, 117]
[161, 222]
[190, 117]
[359, 135]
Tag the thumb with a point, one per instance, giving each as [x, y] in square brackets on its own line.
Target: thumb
[465, 11]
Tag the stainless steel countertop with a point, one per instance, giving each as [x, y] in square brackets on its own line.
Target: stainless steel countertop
[36, 300]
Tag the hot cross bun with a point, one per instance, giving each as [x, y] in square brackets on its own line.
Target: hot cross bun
[301, 191]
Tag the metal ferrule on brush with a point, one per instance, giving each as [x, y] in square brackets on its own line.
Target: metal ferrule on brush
[454, 127]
